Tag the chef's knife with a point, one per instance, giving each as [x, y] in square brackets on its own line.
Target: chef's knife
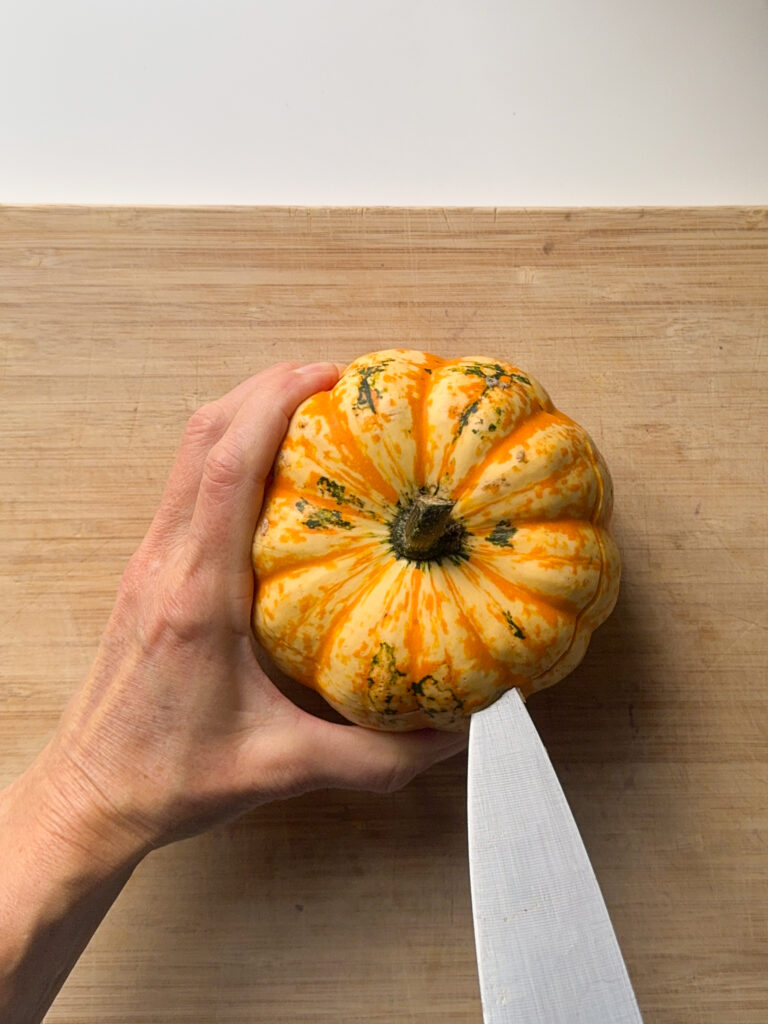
[546, 949]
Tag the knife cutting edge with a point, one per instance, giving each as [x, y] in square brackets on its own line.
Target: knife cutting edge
[546, 949]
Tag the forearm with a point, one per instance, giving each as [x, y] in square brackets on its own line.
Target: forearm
[57, 881]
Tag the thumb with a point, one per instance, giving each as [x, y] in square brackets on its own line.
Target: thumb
[351, 757]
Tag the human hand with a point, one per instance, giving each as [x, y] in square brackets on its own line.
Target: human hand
[177, 727]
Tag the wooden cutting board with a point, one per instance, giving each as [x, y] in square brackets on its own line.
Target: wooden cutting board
[648, 327]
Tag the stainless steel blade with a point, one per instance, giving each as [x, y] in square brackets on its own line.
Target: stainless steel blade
[546, 949]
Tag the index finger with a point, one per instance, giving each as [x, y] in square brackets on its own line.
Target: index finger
[236, 468]
[205, 427]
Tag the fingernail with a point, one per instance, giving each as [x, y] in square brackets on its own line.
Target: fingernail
[316, 368]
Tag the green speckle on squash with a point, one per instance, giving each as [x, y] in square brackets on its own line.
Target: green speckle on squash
[384, 680]
[517, 630]
[337, 491]
[494, 373]
[322, 518]
[366, 388]
[502, 533]
[435, 697]
[495, 376]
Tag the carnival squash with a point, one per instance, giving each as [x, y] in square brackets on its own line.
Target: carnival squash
[434, 532]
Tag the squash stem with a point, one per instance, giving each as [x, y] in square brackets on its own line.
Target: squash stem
[425, 531]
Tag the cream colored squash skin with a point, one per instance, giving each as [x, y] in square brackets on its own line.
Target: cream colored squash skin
[434, 533]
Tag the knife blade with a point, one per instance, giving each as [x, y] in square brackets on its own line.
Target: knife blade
[546, 949]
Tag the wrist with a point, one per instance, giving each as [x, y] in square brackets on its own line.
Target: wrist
[70, 825]
[55, 891]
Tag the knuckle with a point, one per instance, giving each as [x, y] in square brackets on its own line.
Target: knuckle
[206, 424]
[179, 615]
[395, 776]
[170, 599]
[278, 404]
[277, 771]
[135, 578]
[224, 466]
[181, 605]
[185, 610]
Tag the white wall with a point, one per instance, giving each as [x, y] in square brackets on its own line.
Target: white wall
[547, 102]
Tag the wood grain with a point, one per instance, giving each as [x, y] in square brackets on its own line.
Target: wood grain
[648, 327]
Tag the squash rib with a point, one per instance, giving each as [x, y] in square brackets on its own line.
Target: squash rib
[493, 663]
[516, 592]
[493, 558]
[323, 654]
[528, 643]
[586, 611]
[308, 563]
[284, 639]
[550, 482]
[383, 491]
[598, 593]
[523, 432]
[414, 638]
[582, 616]
[283, 489]
[514, 589]
[420, 421]
[489, 452]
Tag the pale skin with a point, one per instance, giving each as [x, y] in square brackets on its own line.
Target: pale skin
[176, 727]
